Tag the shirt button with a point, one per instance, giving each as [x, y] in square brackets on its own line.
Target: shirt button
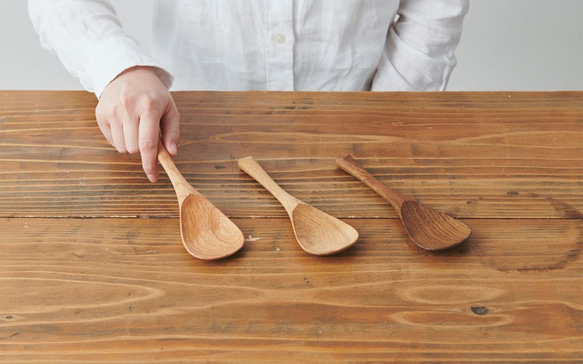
[279, 38]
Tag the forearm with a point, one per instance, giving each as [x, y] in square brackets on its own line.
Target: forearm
[419, 52]
[89, 40]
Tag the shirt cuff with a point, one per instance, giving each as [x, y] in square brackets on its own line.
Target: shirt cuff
[114, 55]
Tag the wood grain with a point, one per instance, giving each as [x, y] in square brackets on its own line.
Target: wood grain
[92, 268]
[478, 155]
[124, 290]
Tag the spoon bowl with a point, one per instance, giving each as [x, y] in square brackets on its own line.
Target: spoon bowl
[206, 232]
[317, 233]
[428, 228]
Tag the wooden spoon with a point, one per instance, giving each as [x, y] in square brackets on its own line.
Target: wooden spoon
[206, 232]
[316, 232]
[427, 228]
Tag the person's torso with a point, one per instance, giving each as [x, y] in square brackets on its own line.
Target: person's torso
[271, 44]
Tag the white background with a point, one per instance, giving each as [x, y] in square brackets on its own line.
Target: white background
[514, 45]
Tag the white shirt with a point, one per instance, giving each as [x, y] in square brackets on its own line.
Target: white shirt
[331, 45]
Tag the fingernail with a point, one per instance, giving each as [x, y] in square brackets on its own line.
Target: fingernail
[152, 177]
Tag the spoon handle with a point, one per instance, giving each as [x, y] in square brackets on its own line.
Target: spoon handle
[351, 166]
[253, 169]
[181, 185]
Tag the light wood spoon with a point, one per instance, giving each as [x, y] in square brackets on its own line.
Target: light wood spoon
[316, 232]
[428, 228]
[206, 232]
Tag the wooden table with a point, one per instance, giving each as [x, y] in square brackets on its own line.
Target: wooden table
[92, 268]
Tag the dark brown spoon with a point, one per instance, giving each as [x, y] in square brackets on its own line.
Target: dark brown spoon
[430, 229]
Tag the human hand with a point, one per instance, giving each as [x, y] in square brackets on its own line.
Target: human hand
[133, 110]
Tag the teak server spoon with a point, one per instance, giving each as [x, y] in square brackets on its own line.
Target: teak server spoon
[430, 229]
[206, 232]
[316, 232]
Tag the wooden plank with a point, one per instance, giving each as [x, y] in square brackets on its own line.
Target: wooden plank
[125, 290]
[472, 155]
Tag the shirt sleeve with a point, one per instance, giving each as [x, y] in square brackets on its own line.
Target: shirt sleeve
[420, 45]
[89, 40]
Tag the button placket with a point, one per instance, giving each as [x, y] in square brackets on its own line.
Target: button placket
[279, 45]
